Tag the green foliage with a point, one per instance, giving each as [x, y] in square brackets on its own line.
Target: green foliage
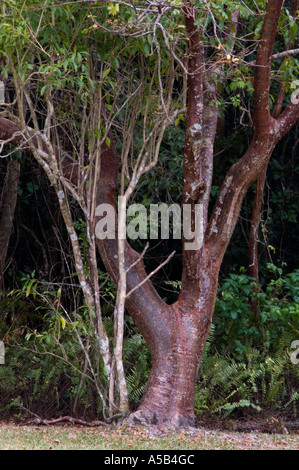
[245, 366]
[246, 363]
[36, 380]
[46, 368]
[137, 363]
[260, 380]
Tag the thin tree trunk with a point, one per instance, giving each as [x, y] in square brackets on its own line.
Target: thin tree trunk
[8, 205]
[254, 236]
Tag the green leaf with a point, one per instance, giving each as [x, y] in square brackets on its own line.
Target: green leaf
[106, 72]
[63, 322]
[113, 8]
[44, 89]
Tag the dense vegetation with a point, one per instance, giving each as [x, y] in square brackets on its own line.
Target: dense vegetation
[246, 368]
[53, 363]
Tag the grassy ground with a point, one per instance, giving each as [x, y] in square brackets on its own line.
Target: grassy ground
[79, 438]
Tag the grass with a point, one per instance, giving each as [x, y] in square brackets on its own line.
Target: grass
[80, 438]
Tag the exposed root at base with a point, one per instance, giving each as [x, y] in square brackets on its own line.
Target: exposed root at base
[150, 419]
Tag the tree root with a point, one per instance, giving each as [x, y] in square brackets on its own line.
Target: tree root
[150, 419]
[69, 419]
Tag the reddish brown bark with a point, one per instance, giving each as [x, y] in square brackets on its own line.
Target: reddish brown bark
[176, 334]
[169, 398]
[261, 107]
[258, 200]
[268, 132]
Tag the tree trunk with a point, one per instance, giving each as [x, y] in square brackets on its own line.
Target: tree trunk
[176, 352]
[8, 205]
[169, 398]
[176, 334]
[254, 238]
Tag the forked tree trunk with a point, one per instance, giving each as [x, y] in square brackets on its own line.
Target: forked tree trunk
[176, 333]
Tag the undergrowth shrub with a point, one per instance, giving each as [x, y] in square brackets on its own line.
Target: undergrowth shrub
[47, 380]
[246, 365]
[52, 365]
[245, 368]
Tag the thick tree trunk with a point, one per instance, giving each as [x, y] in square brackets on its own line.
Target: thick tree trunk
[175, 334]
[170, 396]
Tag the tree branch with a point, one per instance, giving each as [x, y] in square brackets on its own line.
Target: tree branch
[262, 73]
[289, 117]
[151, 274]
[283, 54]
[243, 173]
[144, 305]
